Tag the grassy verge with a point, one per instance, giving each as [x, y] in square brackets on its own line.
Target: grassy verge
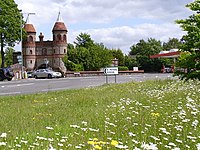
[147, 115]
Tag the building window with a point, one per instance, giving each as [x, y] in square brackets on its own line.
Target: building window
[31, 62]
[44, 51]
[31, 52]
[59, 37]
[30, 39]
[64, 51]
[64, 37]
[54, 51]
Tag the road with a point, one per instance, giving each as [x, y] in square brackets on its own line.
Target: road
[28, 86]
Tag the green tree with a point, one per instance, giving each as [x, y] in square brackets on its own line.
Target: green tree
[9, 56]
[173, 43]
[142, 51]
[191, 43]
[118, 54]
[10, 25]
[130, 62]
[84, 40]
[88, 54]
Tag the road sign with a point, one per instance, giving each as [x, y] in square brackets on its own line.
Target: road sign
[111, 71]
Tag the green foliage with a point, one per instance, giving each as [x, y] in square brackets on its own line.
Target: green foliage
[188, 65]
[143, 50]
[118, 54]
[9, 56]
[130, 62]
[10, 24]
[90, 55]
[122, 68]
[72, 66]
[173, 43]
[191, 43]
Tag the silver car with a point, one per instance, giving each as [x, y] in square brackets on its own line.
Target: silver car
[46, 73]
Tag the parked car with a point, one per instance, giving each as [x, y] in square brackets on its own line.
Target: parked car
[6, 74]
[29, 74]
[46, 73]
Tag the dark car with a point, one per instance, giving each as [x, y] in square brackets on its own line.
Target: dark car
[6, 74]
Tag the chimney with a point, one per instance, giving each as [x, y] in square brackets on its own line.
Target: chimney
[41, 36]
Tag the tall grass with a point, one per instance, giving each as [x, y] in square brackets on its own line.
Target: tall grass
[146, 115]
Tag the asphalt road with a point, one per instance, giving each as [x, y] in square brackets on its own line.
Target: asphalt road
[28, 86]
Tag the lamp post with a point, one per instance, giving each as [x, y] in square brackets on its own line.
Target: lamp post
[21, 38]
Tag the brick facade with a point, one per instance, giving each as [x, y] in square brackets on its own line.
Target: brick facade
[37, 54]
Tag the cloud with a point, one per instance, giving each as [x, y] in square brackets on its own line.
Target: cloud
[115, 23]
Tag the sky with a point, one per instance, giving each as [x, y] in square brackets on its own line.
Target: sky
[115, 23]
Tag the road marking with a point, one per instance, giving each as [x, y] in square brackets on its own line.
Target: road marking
[17, 85]
[11, 93]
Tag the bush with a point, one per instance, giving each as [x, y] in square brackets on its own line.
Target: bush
[122, 68]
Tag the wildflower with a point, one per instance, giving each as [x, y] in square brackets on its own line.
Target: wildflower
[2, 143]
[60, 144]
[91, 142]
[51, 147]
[49, 128]
[114, 143]
[3, 135]
[97, 147]
[78, 147]
[121, 146]
[155, 114]
[198, 146]
[84, 123]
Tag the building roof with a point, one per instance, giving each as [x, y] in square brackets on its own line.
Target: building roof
[59, 25]
[29, 28]
[167, 54]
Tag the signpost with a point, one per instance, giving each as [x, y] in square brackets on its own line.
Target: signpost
[111, 71]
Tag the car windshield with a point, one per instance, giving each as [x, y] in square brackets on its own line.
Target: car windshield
[47, 70]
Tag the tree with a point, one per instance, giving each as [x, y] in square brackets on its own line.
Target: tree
[118, 54]
[191, 43]
[10, 25]
[84, 40]
[142, 51]
[173, 43]
[86, 53]
[9, 56]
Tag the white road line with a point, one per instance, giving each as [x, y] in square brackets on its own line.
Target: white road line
[1, 94]
[17, 85]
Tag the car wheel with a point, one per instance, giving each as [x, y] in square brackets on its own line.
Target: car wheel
[49, 76]
[9, 79]
[35, 77]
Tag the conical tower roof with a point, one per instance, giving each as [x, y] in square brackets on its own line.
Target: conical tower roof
[29, 28]
[59, 25]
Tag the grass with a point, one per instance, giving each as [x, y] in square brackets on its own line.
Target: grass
[146, 115]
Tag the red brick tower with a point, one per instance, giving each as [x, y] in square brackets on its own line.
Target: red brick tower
[29, 47]
[59, 43]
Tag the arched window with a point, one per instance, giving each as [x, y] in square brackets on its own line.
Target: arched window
[64, 51]
[31, 52]
[59, 37]
[44, 51]
[30, 39]
[64, 37]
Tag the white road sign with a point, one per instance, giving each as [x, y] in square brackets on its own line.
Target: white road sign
[111, 71]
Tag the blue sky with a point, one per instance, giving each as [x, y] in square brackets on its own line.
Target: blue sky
[115, 23]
